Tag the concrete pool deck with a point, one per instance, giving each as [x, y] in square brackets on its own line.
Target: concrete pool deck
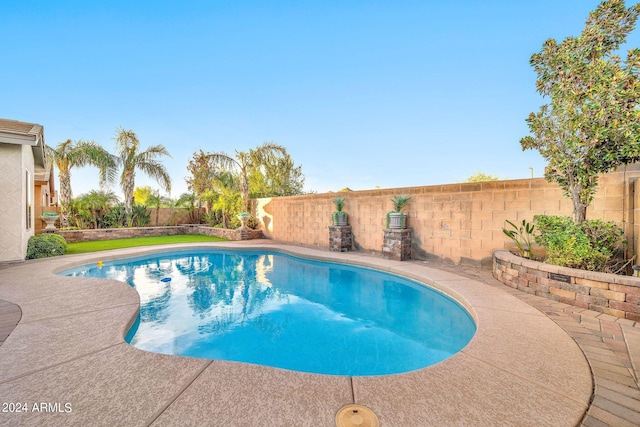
[532, 361]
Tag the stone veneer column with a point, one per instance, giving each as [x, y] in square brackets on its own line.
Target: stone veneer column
[397, 244]
[340, 238]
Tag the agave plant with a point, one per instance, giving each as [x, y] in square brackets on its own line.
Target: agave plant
[400, 202]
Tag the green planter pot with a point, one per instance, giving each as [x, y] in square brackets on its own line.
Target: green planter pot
[339, 218]
[397, 220]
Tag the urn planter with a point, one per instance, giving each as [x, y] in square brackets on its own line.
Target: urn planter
[51, 221]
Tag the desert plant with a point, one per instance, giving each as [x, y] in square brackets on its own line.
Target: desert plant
[399, 203]
[116, 217]
[253, 223]
[140, 216]
[46, 245]
[522, 236]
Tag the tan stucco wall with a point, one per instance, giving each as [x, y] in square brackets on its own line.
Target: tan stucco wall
[459, 223]
[15, 160]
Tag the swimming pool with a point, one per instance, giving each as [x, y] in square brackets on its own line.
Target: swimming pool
[278, 310]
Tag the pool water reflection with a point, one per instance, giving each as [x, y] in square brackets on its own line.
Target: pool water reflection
[282, 311]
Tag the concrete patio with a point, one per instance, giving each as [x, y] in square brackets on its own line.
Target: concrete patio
[532, 362]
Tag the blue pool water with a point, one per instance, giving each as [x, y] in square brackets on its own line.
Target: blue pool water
[278, 310]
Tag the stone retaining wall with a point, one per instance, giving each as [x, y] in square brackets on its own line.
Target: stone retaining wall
[74, 236]
[607, 293]
[165, 216]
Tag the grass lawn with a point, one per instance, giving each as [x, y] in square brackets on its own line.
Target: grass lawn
[103, 245]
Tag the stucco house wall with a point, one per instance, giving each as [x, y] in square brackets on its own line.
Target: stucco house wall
[15, 161]
[21, 157]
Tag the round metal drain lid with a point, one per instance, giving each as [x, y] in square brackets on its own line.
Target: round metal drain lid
[356, 416]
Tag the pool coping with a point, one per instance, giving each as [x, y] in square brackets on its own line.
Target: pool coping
[69, 349]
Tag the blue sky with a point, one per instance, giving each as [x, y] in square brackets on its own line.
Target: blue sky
[361, 93]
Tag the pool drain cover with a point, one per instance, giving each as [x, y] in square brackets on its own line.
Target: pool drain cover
[356, 416]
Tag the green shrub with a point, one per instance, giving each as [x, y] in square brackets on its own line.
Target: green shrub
[116, 217]
[46, 245]
[590, 245]
[253, 223]
[605, 237]
[140, 216]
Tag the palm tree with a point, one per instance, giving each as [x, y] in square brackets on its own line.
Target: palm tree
[131, 158]
[156, 200]
[244, 161]
[188, 201]
[69, 154]
[228, 199]
[97, 202]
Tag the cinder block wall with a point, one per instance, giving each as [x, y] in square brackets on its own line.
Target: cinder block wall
[168, 216]
[458, 223]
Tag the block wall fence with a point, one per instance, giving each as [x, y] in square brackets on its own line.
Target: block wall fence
[457, 223]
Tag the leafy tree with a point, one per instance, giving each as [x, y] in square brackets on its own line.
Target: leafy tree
[141, 194]
[482, 177]
[592, 124]
[203, 172]
[273, 176]
[131, 158]
[70, 154]
[244, 162]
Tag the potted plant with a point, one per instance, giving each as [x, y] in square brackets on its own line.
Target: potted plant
[397, 218]
[50, 218]
[339, 217]
[244, 217]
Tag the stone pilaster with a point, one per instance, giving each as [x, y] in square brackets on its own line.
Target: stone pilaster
[397, 244]
[340, 238]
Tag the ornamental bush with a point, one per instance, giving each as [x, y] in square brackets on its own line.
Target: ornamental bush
[590, 245]
[46, 245]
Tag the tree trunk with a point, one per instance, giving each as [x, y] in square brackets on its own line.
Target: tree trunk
[579, 208]
[128, 183]
[65, 188]
[245, 194]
